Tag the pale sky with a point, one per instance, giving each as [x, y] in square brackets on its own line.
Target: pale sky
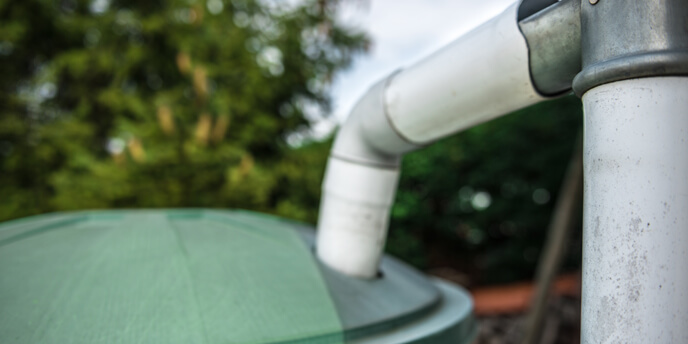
[402, 32]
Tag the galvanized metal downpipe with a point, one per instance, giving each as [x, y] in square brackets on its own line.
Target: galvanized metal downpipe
[482, 75]
[634, 87]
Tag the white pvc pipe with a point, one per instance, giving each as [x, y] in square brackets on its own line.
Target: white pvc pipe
[635, 279]
[358, 189]
[354, 214]
[482, 75]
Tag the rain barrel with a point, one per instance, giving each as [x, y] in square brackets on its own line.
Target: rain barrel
[206, 276]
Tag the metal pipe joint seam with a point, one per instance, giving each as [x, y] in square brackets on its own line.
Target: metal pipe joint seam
[632, 39]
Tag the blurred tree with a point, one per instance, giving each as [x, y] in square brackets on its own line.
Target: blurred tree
[164, 103]
[481, 201]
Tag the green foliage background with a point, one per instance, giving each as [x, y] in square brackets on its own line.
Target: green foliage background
[518, 162]
[166, 103]
[191, 103]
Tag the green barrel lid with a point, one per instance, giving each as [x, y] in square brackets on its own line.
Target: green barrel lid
[205, 276]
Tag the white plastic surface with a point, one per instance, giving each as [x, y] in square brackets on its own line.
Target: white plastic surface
[635, 253]
[354, 213]
[367, 137]
[482, 75]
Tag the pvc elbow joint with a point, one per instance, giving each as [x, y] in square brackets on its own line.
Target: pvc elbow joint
[466, 83]
[359, 187]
